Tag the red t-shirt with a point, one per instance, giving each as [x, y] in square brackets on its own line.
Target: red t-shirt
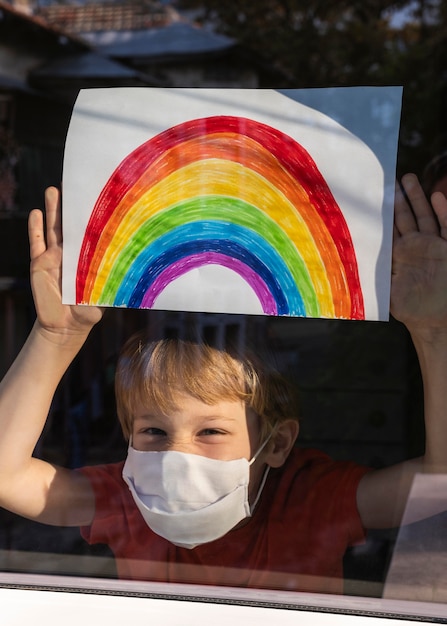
[295, 540]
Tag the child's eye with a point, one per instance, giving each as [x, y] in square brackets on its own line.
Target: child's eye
[211, 431]
[154, 432]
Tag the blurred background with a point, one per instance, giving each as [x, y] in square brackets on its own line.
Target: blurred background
[359, 382]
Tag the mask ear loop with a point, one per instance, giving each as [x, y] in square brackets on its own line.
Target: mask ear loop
[261, 487]
[262, 446]
[266, 472]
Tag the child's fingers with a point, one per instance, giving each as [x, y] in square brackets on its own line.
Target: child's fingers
[37, 245]
[439, 203]
[53, 217]
[426, 219]
[404, 220]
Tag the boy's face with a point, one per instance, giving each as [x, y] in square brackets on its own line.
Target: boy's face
[225, 431]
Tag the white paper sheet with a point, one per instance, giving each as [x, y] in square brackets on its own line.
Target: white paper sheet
[234, 201]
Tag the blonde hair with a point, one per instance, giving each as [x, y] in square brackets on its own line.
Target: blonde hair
[153, 373]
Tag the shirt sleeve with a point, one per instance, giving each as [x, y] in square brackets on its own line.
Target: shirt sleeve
[346, 501]
[110, 499]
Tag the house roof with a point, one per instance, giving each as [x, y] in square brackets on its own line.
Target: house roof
[90, 69]
[134, 28]
[101, 16]
[35, 23]
[175, 39]
[85, 65]
[12, 84]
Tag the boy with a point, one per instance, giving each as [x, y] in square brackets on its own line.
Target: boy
[286, 515]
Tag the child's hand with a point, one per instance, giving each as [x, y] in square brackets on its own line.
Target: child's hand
[419, 278]
[46, 273]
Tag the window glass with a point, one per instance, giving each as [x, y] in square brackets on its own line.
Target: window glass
[359, 386]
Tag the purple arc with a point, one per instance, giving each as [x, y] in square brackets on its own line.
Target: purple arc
[193, 261]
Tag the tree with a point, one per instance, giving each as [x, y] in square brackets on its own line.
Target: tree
[316, 42]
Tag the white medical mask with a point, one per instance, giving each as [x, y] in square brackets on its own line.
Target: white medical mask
[190, 499]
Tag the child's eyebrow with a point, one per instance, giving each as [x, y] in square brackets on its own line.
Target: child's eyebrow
[218, 418]
[213, 417]
[149, 416]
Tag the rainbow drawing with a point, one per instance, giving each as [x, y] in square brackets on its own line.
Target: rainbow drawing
[221, 190]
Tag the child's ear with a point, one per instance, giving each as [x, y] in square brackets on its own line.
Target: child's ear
[282, 442]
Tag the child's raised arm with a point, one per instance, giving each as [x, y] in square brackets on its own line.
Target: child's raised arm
[28, 486]
[419, 300]
[60, 323]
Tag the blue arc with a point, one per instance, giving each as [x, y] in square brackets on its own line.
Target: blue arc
[235, 241]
